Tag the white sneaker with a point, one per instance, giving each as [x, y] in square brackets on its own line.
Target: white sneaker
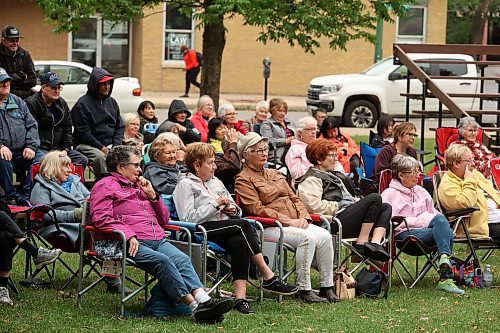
[46, 257]
[4, 296]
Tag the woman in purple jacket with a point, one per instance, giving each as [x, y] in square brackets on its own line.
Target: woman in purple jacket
[422, 220]
[126, 201]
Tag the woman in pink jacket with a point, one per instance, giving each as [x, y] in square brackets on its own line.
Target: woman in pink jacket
[205, 110]
[422, 220]
[126, 201]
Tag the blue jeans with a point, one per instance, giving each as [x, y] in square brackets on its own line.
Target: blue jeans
[437, 233]
[23, 173]
[173, 268]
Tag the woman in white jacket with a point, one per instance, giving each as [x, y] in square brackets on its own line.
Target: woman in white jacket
[202, 198]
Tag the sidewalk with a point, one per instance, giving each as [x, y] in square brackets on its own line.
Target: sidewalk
[162, 100]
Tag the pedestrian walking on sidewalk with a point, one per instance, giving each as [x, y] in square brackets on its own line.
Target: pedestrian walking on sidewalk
[192, 68]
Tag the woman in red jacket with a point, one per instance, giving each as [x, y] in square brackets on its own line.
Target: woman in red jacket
[347, 149]
[192, 68]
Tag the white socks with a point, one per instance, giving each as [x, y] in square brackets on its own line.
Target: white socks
[201, 296]
[193, 306]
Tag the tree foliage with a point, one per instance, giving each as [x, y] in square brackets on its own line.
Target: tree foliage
[298, 22]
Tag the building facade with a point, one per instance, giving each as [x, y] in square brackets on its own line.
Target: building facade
[149, 48]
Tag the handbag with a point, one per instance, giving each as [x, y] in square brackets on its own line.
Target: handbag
[345, 284]
[467, 274]
[371, 283]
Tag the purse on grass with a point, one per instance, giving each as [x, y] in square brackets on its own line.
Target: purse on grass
[345, 284]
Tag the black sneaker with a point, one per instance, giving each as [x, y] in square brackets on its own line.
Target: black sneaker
[360, 248]
[212, 310]
[376, 252]
[308, 296]
[278, 286]
[243, 306]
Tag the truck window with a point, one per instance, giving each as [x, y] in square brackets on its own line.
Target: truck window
[452, 69]
[403, 70]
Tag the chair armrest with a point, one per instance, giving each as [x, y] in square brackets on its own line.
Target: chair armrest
[461, 212]
[266, 221]
[188, 225]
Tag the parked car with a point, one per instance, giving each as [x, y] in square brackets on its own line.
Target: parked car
[359, 99]
[126, 90]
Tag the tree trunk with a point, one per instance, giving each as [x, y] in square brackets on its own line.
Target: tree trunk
[214, 41]
[479, 21]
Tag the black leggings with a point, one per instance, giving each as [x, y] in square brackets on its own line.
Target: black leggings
[239, 239]
[495, 232]
[369, 209]
[191, 75]
[8, 232]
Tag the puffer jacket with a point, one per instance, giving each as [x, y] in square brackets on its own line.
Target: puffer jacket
[163, 177]
[50, 193]
[18, 128]
[97, 122]
[456, 193]
[266, 193]
[195, 200]
[53, 135]
[21, 68]
[415, 204]
[117, 203]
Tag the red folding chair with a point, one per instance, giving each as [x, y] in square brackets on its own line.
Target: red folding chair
[444, 137]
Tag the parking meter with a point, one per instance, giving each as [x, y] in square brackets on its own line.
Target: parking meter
[267, 68]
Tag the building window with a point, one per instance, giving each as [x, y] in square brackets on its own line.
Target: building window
[411, 27]
[179, 30]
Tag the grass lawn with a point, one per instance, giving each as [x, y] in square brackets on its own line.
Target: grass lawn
[422, 309]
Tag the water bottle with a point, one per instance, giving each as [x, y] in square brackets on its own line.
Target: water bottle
[488, 277]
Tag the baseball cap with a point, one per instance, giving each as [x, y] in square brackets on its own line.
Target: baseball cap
[52, 79]
[11, 31]
[249, 140]
[105, 79]
[4, 76]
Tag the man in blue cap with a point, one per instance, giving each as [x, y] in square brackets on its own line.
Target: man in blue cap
[19, 142]
[52, 114]
[17, 62]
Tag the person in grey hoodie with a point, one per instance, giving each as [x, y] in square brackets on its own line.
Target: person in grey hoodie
[179, 114]
[163, 170]
[97, 121]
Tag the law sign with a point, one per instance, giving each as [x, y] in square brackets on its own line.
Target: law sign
[174, 42]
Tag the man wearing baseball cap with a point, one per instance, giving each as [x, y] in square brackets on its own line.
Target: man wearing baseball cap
[17, 62]
[52, 114]
[18, 142]
[98, 125]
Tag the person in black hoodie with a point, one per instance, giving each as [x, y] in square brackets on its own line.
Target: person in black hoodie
[52, 114]
[17, 62]
[179, 114]
[98, 125]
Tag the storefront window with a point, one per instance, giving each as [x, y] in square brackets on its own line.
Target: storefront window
[178, 31]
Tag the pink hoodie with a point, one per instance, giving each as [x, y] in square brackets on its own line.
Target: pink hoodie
[415, 204]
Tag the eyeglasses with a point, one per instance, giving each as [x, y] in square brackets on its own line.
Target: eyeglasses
[262, 151]
[170, 152]
[232, 114]
[5, 83]
[413, 172]
[469, 161]
[135, 165]
[412, 135]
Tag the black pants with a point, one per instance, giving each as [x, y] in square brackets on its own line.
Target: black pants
[369, 209]
[8, 232]
[495, 232]
[191, 75]
[239, 239]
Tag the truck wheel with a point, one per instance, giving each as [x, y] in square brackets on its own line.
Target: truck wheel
[360, 114]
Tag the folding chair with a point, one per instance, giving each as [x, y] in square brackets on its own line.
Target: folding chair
[410, 245]
[444, 137]
[457, 220]
[209, 250]
[88, 256]
[365, 172]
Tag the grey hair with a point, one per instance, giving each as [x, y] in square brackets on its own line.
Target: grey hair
[172, 138]
[305, 121]
[129, 117]
[262, 105]
[402, 163]
[120, 155]
[202, 101]
[223, 109]
[464, 123]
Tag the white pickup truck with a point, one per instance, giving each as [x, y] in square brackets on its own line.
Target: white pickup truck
[359, 99]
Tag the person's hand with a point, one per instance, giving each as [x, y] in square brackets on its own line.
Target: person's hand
[288, 140]
[133, 246]
[222, 201]
[229, 210]
[179, 154]
[232, 135]
[147, 187]
[5, 153]
[468, 173]
[299, 223]
[140, 145]
[181, 128]
[28, 153]
[105, 150]
[77, 213]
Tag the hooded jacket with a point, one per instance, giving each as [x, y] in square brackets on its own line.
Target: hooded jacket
[51, 194]
[97, 122]
[163, 177]
[53, 135]
[21, 68]
[117, 203]
[18, 128]
[415, 204]
[195, 200]
[192, 134]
